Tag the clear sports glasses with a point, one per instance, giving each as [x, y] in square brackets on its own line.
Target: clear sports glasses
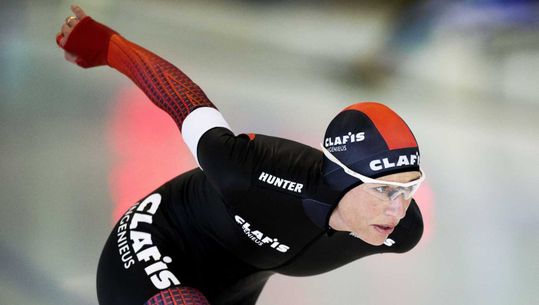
[384, 190]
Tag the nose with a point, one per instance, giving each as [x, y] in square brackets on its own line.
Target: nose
[396, 207]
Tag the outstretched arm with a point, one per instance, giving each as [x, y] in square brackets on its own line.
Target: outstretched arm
[89, 44]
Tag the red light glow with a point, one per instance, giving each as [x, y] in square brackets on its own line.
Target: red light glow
[147, 149]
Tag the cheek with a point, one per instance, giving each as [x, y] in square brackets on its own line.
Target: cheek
[360, 210]
[373, 211]
[363, 213]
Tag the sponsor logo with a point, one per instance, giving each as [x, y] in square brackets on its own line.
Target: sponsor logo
[338, 143]
[348, 138]
[389, 242]
[260, 238]
[141, 248]
[379, 164]
[280, 182]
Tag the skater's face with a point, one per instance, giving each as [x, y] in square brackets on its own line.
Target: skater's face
[372, 211]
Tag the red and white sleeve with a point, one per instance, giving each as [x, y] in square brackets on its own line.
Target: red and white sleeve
[166, 86]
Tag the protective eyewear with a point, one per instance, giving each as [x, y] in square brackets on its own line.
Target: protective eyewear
[385, 190]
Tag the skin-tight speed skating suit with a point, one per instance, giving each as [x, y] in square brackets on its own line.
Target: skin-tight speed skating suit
[257, 205]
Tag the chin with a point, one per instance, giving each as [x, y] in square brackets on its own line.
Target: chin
[376, 239]
[375, 242]
[371, 240]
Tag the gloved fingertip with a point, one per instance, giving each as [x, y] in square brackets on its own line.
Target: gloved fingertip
[81, 62]
[59, 37]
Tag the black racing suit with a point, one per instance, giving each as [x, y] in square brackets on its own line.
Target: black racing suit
[256, 206]
[259, 207]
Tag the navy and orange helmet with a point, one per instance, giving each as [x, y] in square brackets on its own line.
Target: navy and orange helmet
[371, 139]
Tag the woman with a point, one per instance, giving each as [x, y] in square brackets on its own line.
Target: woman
[257, 205]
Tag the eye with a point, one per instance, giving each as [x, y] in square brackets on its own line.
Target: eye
[381, 189]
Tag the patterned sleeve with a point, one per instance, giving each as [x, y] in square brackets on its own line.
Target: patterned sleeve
[166, 86]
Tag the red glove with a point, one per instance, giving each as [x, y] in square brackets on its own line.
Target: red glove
[89, 42]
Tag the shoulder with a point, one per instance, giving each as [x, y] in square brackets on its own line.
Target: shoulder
[257, 150]
[286, 159]
[285, 150]
[235, 162]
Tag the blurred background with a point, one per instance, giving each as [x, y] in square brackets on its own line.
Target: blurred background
[79, 146]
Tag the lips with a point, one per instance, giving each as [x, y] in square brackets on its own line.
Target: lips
[384, 229]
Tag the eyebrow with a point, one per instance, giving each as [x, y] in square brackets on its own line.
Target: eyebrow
[410, 180]
[417, 177]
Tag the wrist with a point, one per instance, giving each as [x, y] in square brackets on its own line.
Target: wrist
[89, 41]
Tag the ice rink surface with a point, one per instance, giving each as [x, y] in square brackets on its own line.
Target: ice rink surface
[468, 90]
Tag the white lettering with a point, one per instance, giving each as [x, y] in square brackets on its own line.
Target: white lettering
[140, 239]
[345, 139]
[389, 242]
[414, 159]
[142, 243]
[403, 161]
[376, 165]
[280, 182]
[148, 253]
[283, 248]
[137, 217]
[154, 200]
[129, 263]
[267, 240]
[124, 249]
[239, 219]
[258, 237]
[153, 268]
[327, 142]
[388, 164]
[286, 183]
[164, 280]
[258, 234]
[263, 176]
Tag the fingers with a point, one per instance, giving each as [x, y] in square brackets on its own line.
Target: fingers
[64, 31]
[59, 38]
[71, 21]
[70, 57]
[68, 26]
[79, 13]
